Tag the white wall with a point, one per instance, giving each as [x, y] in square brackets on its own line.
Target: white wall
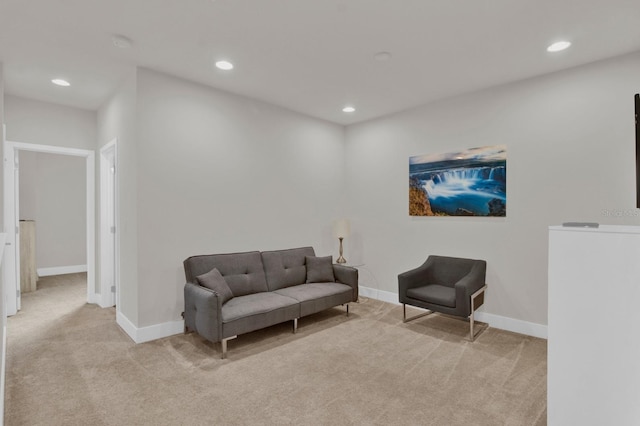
[3, 332]
[45, 123]
[593, 371]
[3, 317]
[204, 171]
[117, 120]
[53, 194]
[570, 157]
[2, 122]
[222, 173]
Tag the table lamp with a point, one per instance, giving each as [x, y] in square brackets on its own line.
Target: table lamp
[341, 230]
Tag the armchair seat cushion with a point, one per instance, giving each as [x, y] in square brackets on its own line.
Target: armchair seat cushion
[434, 293]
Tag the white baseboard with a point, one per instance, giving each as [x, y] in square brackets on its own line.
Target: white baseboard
[94, 299]
[152, 332]
[495, 321]
[512, 324]
[385, 296]
[159, 331]
[61, 270]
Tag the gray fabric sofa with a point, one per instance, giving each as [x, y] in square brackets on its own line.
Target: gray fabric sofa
[231, 294]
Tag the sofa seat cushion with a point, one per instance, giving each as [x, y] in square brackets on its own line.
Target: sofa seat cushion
[434, 293]
[316, 297]
[256, 311]
[257, 303]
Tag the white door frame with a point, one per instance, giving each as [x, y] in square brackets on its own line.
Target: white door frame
[11, 265]
[109, 226]
[12, 283]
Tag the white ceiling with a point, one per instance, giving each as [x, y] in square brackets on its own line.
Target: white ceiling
[311, 56]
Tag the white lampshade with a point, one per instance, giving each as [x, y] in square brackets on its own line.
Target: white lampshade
[341, 228]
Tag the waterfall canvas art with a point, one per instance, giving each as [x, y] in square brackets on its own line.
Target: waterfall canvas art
[467, 183]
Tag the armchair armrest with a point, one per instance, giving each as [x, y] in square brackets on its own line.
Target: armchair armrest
[203, 312]
[469, 284]
[413, 278]
[347, 275]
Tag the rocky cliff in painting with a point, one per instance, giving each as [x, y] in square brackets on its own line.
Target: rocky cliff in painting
[472, 182]
[418, 201]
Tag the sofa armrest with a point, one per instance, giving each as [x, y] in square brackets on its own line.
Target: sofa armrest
[203, 312]
[347, 275]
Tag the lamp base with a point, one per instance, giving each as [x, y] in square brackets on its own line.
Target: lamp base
[341, 259]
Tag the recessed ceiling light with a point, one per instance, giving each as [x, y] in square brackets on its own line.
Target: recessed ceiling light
[382, 56]
[61, 82]
[121, 41]
[558, 46]
[224, 65]
[348, 109]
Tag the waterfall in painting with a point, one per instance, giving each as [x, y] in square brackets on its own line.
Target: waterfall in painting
[468, 183]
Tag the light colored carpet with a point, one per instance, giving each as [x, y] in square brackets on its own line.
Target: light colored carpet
[68, 363]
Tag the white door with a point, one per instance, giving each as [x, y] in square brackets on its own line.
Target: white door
[108, 225]
[11, 268]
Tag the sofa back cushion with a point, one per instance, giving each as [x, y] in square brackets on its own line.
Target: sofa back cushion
[214, 280]
[319, 269]
[285, 268]
[243, 272]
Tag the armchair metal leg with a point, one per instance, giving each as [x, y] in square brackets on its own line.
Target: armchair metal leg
[480, 295]
[404, 314]
[224, 345]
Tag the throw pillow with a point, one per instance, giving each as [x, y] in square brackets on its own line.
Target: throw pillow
[214, 280]
[319, 269]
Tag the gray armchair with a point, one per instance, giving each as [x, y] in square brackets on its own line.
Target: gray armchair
[449, 285]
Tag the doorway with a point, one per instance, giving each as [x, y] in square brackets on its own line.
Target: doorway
[109, 282]
[11, 269]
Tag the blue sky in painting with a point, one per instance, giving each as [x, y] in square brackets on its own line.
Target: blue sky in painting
[495, 152]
